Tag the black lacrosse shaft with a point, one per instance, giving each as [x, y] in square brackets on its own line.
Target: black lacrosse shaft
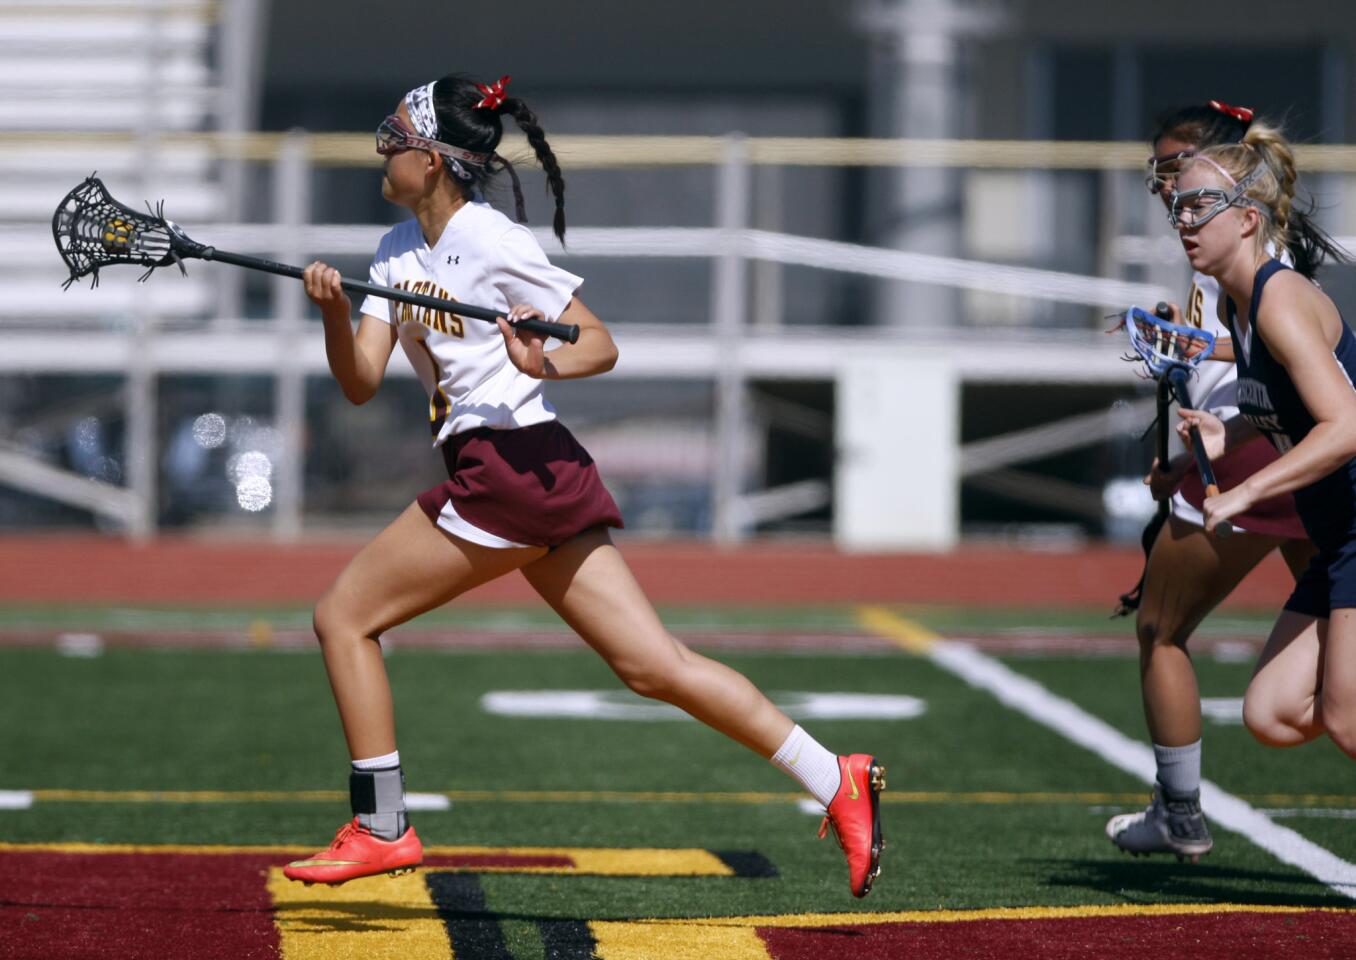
[1164, 428]
[1164, 312]
[1178, 376]
[1179, 384]
[568, 332]
[1164, 402]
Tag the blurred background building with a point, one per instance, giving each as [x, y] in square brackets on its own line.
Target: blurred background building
[858, 255]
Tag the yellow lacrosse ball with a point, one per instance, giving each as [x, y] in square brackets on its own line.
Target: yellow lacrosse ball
[117, 235]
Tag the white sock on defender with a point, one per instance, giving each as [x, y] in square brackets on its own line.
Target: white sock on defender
[1179, 768]
[802, 757]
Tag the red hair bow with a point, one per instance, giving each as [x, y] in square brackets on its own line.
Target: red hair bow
[494, 93]
[1242, 114]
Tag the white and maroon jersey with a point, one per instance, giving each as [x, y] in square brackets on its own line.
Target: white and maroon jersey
[482, 258]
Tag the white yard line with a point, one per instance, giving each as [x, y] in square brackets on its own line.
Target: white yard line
[16, 799]
[1029, 698]
[427, 801]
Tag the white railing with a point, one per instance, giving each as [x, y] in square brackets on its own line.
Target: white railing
[730, 349]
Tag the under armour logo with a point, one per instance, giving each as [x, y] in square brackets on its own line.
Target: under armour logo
[452, 260]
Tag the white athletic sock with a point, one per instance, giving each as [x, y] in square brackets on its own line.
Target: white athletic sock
[803, 758]
[384, 762]
[1179, 768]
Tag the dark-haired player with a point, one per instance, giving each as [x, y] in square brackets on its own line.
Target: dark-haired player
[521, 494]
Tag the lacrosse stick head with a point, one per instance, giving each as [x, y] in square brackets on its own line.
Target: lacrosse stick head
[1163, 346]
[92, 230]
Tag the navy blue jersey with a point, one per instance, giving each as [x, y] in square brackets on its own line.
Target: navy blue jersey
[1267, 397]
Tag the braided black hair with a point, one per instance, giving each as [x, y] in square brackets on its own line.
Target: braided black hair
[463, 124]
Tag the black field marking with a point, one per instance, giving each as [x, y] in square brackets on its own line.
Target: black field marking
[473, 930]
[566, 939]
[747, 863]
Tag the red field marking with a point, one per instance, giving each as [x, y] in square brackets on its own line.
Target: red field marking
[77, 906]
[65, 569]
[1311, 935]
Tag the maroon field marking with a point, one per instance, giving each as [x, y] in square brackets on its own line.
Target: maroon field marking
[100, 905]
[1311, 935]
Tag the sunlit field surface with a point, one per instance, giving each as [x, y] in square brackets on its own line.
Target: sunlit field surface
[117, 733]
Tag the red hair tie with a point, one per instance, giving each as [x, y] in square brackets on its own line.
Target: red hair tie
[1242, 114]
[494, 93]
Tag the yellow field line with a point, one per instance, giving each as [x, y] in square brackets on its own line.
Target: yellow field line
[908, 635]
[999, 913]
[972, 797]
[188, 796]
[594, 861]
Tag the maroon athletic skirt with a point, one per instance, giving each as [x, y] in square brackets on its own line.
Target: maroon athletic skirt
[533, 486]
[1275, 516]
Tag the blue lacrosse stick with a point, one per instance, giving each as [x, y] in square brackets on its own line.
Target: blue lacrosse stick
[1170, 353]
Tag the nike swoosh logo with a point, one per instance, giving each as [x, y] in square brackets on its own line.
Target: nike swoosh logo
[851, 783]
[792, 761]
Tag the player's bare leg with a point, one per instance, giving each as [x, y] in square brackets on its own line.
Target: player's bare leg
[410, 567]
[1282, 704]
[589, 584]
[1189, 573]
[1337, 704]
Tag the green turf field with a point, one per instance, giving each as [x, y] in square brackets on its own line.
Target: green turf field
[985, 807]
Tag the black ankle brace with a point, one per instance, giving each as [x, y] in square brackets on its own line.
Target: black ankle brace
[377, 798]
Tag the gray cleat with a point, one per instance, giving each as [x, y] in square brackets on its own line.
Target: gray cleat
[1167, 825]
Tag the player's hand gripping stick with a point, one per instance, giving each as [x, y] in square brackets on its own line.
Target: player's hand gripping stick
[1178, 375]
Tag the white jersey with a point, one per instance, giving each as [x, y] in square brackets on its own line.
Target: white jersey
[482, 258]
[1214, 384]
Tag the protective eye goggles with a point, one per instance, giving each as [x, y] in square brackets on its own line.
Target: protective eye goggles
[394, 137]
[1195, 208]
[1163, 171]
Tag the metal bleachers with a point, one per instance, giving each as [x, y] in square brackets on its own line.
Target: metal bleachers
[97, 85]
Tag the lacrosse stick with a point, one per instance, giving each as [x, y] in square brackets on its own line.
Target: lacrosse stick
[1170, 353]
[93, 231]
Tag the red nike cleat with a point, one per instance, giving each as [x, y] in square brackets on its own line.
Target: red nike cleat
[355, 853]
[854, 814]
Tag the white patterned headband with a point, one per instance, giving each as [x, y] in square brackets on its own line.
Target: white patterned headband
[419, 103]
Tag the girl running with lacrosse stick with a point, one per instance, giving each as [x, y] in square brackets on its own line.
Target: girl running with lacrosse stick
[1188, 572]
[1296, 360]
[521, 494]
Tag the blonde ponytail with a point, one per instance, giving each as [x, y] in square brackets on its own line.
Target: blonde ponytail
[1273, 149]
[1274, 191]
